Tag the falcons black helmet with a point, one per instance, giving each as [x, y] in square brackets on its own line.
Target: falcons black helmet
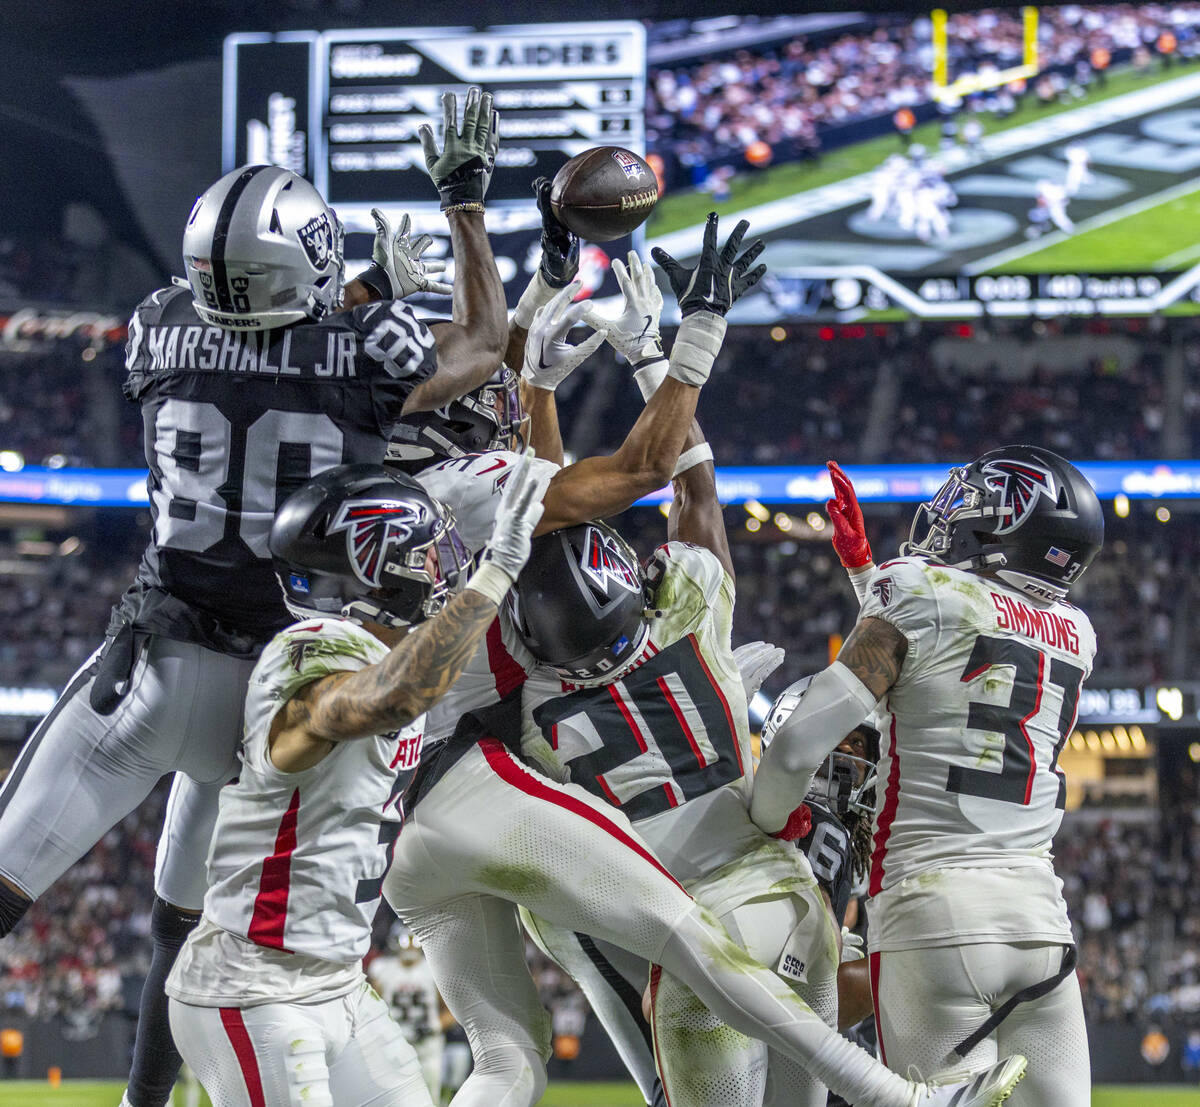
[1020, 512]
[579, 603]
[368, 544]
[489, 418]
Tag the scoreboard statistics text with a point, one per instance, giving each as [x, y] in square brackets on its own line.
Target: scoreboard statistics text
[343, 109]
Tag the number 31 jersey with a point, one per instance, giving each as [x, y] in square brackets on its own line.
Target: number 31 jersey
[234, 423]
[968, 771]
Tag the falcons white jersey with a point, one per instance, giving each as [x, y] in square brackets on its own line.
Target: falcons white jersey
[298, 859]
[667, 739]
[409, 990]
[472, 487]
[986, 698]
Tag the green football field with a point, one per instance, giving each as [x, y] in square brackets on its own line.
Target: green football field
[1148, 238]
[22, 1093]
[689, 208]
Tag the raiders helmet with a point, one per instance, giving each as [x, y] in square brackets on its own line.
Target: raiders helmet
[368, 544]
[262, 249]
[579, 603]
[1021, 512]
[844, 783]
[489, 418]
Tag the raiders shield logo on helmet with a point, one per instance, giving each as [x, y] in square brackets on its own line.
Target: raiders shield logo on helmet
[603, 560]
[316, 236]
[372, 528]
[1020, 484]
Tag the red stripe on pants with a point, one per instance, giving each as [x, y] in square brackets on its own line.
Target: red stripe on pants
[519, 777]
[271, 904]
[243, 1048]
[873, 964]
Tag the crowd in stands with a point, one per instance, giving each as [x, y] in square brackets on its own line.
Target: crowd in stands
[83, 948]
[1133, 889]
[779, 101]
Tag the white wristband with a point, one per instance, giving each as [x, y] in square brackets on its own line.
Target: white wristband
[689, 459]
[491, 581]
[696, 347]
[650, 376]
[537, 294]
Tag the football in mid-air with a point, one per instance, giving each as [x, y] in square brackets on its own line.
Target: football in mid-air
[603, 193]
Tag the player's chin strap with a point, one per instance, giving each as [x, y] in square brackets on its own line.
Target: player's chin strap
[1034, 991]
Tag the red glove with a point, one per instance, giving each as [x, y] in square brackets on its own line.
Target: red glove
[799, 825]
[849, 532]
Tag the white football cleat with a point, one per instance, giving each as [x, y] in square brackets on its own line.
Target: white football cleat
[984, 1089]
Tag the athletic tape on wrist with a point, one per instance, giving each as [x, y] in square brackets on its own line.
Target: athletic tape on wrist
[689, 459]
[696, 347]
[650, 376]
[492, 581]
[536, 295]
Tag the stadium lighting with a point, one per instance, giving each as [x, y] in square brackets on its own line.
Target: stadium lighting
[753, 525]
[815, 520]
[758, 511]
[1121, 506]
[1194, 751]
[1163, 515]
[11, 461]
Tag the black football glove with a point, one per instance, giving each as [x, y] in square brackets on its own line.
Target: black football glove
[560, 248]
[719, 278]
[462, 169]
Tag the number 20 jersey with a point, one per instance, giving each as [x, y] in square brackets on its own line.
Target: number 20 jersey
[668, 740]
[968, 775]
[234, 423]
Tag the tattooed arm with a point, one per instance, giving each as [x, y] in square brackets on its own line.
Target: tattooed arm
[836, 701]
[385, 696]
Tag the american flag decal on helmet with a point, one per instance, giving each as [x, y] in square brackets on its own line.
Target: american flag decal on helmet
[372, 527]
[1020, 484]
[1058, 557]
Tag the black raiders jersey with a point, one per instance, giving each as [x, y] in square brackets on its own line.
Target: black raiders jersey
[234, 422]
[827, 847]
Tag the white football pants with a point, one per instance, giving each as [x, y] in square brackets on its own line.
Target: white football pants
[492, 833]
[702, 1062]
[81, 772]
[345, 1052]
[927, 1001]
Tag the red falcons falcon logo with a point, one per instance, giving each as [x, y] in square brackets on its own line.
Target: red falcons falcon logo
[372, 528]
[1019, 484]
[604, 560]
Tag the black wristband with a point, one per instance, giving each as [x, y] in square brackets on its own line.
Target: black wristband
[376, 279]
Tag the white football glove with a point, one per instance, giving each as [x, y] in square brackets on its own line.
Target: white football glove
[756, 661]
[852, 946]
[517, 515]
[400, 259]
[633, 333]
[549, 357]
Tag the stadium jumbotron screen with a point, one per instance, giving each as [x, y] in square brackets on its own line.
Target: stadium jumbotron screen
[1010, 161]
